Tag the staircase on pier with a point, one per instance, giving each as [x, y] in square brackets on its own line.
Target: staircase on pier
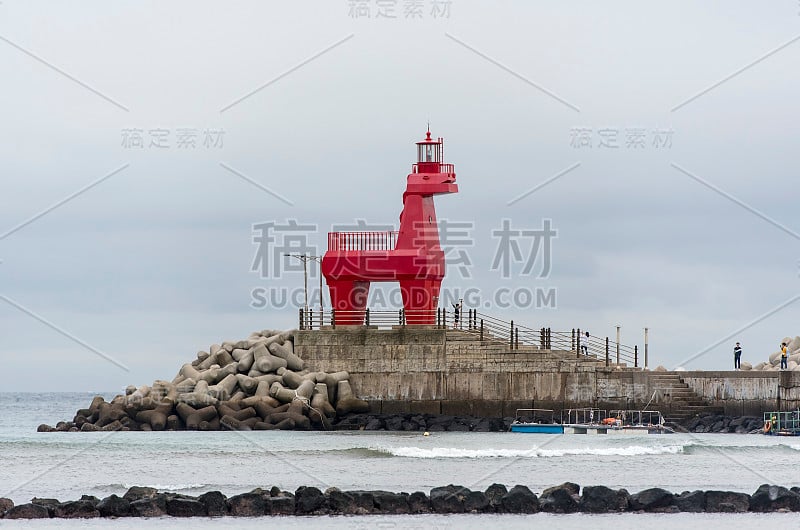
[679, 401]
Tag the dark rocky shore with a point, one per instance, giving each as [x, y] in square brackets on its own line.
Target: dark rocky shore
[704, 423]
[566, 498]
[717, 423]
[258, 413]
[421, 422]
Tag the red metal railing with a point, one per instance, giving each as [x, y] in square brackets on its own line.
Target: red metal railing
[362, 240]
[443, 168]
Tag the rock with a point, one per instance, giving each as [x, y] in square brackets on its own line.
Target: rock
[727, 502]
[364, 501]
[768, 498]
[28, 511]
[660, 368]
[280, 505]
[601, 499]
[394, 423]
[374, 424]
[90, 498]
[448, 499]
[390, 503]
[418, 502]
[149, 507]
[440, 420]
[49, 504]
[247, 505]
[45, 428]
[5, 505]
[136, 493]
[340, 502]
[520, 499]
[476, 502]
[494, 494]
[489, 425]
[181, 507]
[693, 423]
[76, 510]
[309, 500]
[652, 499]
[216, 504]
[745, 366]
[735, 422]
[571, 487]
[691, 501]
[114, 506]
[560, 499]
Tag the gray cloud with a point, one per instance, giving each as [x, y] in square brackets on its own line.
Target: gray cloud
[154, 263]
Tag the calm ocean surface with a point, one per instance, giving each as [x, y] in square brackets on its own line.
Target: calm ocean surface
[67, 465]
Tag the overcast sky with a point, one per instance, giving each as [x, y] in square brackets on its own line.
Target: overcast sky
[141, 254]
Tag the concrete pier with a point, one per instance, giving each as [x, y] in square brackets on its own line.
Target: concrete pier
[438, 371]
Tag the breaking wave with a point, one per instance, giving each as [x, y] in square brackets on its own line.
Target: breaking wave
[453, 452]
[159, 487]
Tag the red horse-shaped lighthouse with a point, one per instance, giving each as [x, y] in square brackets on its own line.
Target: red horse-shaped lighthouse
[411, 256]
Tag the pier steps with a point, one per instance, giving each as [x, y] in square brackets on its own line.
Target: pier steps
[677, 400]
[684, 403]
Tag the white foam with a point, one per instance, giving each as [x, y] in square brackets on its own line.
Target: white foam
[455, 452]
[170, 487]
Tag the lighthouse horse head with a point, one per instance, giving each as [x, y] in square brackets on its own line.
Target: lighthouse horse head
[411, 256]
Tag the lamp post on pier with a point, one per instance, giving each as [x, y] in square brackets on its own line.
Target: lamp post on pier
[305, 259]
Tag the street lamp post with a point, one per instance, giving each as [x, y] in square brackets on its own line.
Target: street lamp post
[305, 258]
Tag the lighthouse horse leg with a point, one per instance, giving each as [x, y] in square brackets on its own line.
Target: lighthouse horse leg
[349, 301]
[420, 298]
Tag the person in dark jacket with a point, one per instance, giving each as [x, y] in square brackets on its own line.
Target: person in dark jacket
[737, 357]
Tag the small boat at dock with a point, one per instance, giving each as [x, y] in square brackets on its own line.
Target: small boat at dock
[597, 421]
[590, 421]
[541, 421]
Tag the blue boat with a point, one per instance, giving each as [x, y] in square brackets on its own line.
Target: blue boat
[541, 428]
[539, 421]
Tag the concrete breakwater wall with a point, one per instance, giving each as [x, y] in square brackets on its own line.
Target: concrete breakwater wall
[439, 371]
[738, 393]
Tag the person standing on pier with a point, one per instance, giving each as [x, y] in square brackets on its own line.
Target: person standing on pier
[585, 344]
[784, 356]
[737, 357]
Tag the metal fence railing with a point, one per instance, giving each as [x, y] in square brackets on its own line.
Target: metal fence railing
[484, 327]
[362, 241]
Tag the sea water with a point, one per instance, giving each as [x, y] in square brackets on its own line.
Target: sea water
[68, 465]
